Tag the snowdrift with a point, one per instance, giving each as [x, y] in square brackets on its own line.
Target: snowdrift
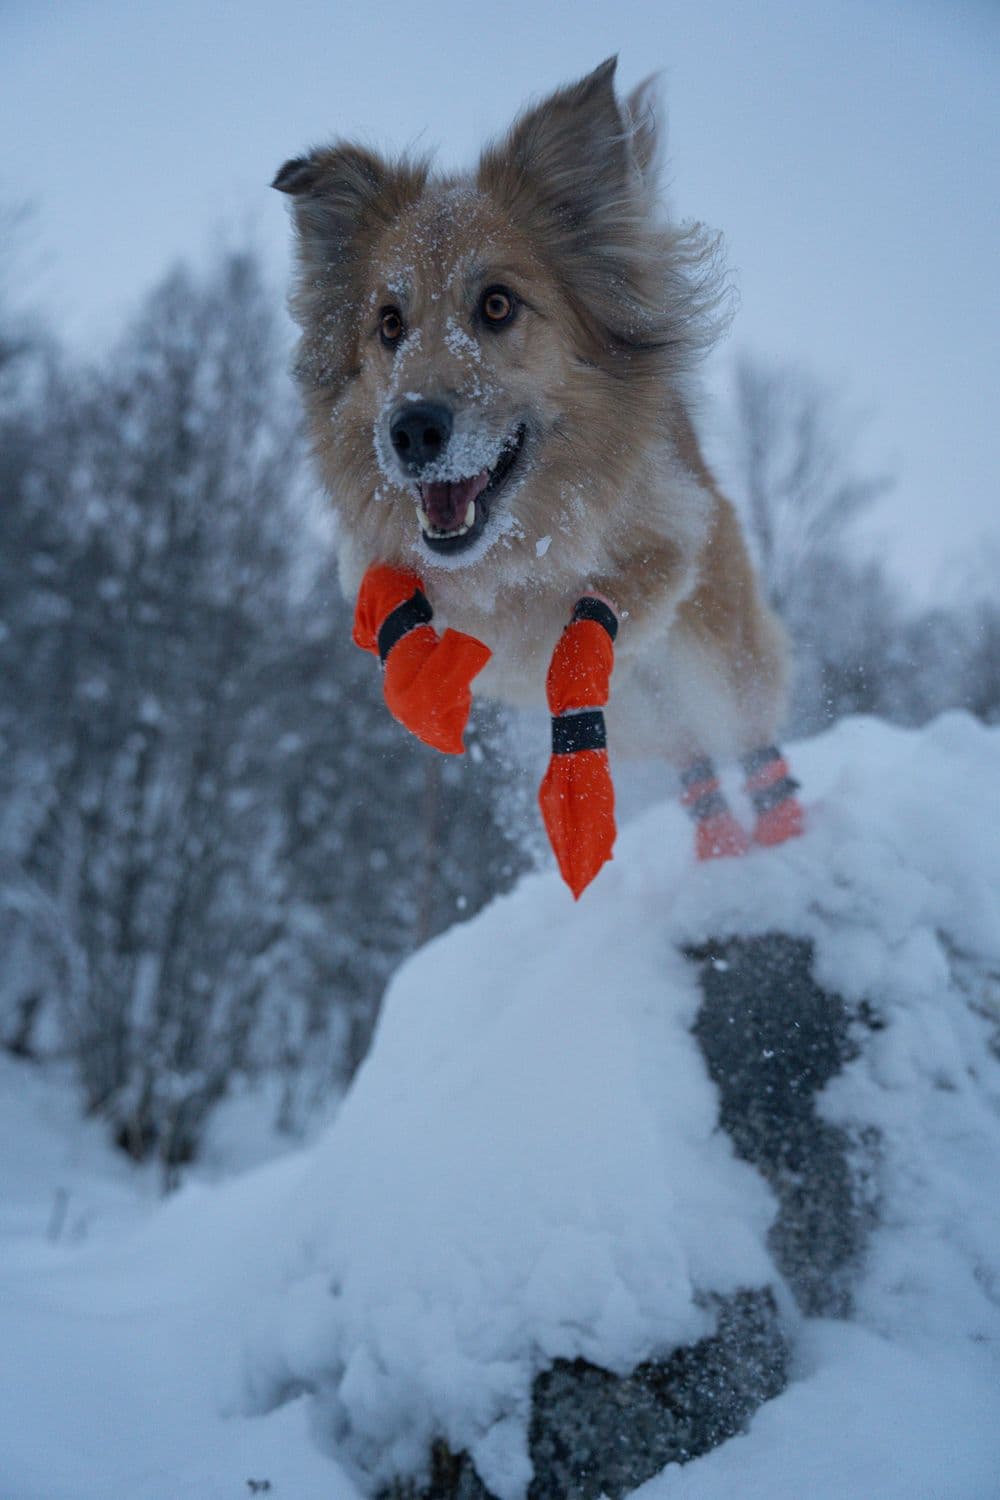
[560, 1169]
[530, 1168]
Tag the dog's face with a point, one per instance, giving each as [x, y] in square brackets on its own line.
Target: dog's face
[461, 359]
[484, 358]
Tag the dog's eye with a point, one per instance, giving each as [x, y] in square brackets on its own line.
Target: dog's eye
[497, 306]
[390, 326]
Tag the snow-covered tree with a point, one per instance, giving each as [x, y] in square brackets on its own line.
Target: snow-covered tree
[200, 776]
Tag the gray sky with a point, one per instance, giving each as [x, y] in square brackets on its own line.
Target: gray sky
[850, 152]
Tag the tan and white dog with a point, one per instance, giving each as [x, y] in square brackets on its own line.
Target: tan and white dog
[497, 370]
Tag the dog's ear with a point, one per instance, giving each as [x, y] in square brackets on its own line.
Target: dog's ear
[567, 175]
[642, 111]
[575, 175]
[299, 175]
[335, 189]
[343, 196]
[571, 152]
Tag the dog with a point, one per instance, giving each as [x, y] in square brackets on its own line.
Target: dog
[498, 375]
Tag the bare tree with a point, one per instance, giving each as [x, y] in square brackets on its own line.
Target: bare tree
[801, 494]
[793, 454]
[223, 835]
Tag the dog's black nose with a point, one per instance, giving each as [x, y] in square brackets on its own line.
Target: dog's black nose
[420, 431]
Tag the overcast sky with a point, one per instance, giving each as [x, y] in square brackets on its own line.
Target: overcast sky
[850, 153]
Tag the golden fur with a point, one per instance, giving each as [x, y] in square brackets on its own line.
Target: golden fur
[611, 492]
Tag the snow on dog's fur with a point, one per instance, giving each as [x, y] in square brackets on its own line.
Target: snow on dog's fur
[545, 310]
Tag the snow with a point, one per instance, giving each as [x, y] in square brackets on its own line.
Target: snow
[542, 1177]
[862, 1418]
[119, 1335]
[527, 1166]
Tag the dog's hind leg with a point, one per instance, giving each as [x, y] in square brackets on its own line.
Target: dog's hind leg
[772, 789]
[718, 833]
[735, 627]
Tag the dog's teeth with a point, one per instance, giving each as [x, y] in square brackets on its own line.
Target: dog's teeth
[436, 531]
[470, 514]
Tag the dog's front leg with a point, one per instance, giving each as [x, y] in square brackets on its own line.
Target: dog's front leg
[577, 797]
[426, 678]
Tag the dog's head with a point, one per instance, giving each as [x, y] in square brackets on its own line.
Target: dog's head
[475, 349]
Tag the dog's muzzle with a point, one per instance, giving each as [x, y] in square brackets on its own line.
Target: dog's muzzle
[455, 474]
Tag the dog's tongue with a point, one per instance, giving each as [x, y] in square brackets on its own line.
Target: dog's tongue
[446, 502]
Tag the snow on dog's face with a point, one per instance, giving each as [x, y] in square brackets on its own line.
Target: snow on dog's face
[455, 319]
[477, 352]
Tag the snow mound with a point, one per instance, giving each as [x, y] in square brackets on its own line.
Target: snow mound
[528, 1165]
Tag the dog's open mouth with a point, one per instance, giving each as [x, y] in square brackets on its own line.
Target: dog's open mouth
[453, 512]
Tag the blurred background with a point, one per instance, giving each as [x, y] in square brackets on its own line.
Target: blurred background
[214, 844]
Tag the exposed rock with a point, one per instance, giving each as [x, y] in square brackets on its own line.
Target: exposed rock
[594, 1433]
[772, 1038]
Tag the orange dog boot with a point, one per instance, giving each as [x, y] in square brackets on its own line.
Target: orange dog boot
[577, 797]
[718, 834]
[720, 837]
[425, 678]
[772, 789]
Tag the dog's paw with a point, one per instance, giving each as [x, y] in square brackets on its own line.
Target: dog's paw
[778, 824]
[720, 836]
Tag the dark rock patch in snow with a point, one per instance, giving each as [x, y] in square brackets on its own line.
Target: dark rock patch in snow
[595, 1433]
[772, 1038]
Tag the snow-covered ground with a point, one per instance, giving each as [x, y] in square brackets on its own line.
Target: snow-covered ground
[528, 1167]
